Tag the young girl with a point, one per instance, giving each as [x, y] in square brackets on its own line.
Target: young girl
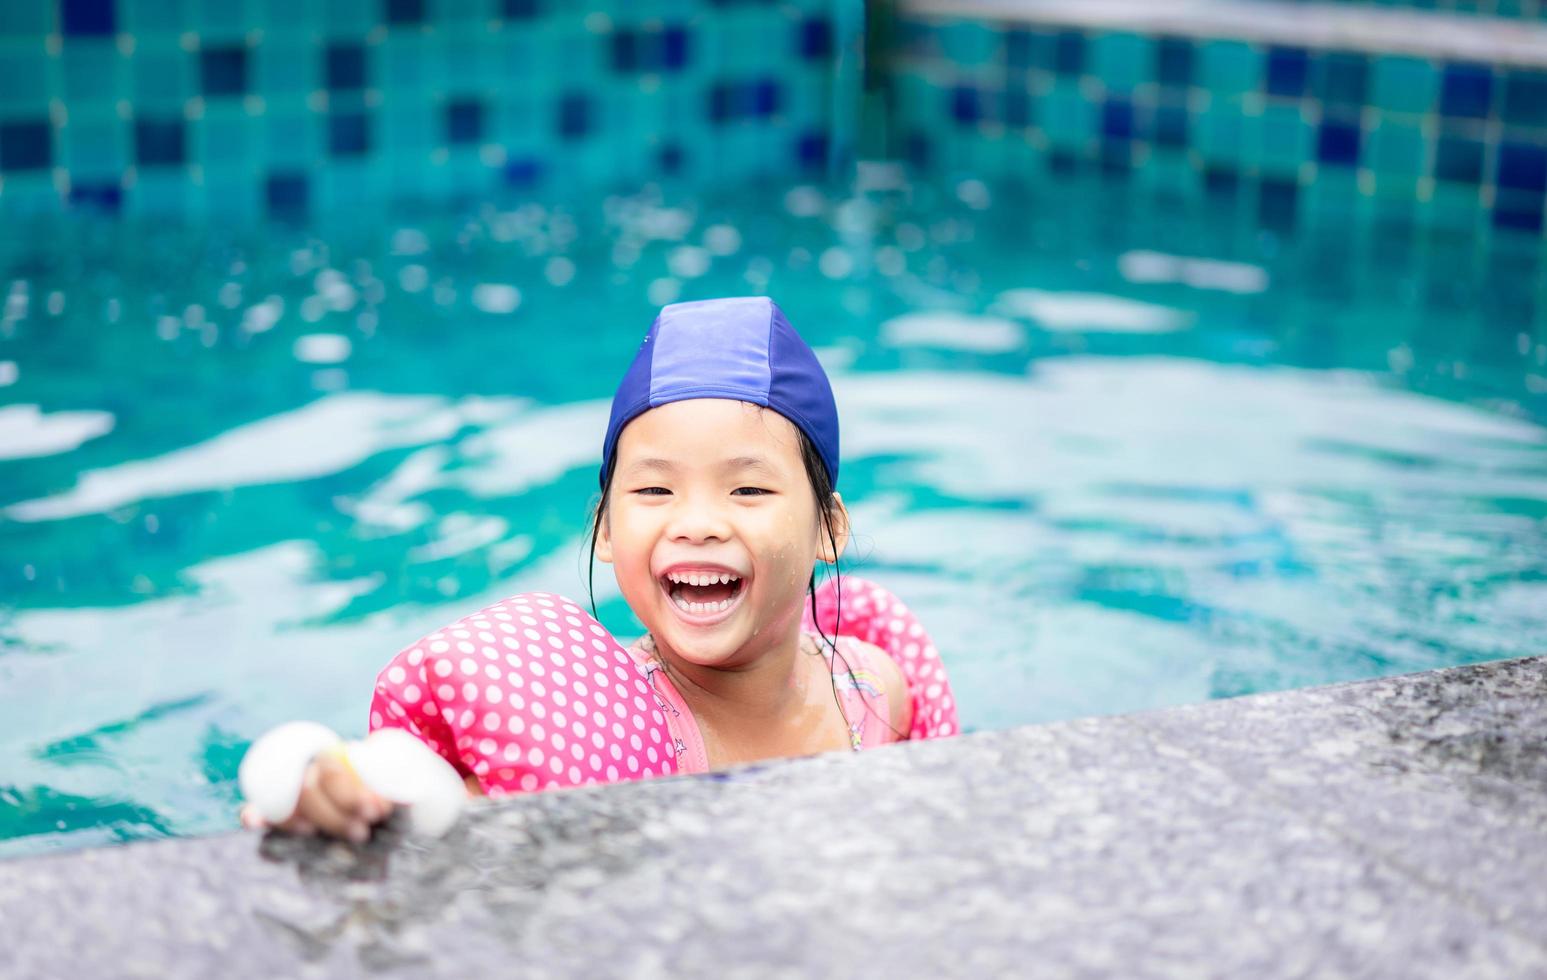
[717, 503]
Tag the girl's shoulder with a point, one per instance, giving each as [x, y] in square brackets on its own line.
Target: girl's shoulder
[870, 612]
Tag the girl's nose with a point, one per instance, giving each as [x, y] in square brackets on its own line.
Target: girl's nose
[695, 522]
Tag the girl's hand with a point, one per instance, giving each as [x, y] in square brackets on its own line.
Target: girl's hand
[333, 801]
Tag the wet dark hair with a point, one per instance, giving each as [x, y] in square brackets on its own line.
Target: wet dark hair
[822, 490]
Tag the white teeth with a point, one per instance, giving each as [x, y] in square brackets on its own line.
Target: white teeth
[702, 608]
[702, 578]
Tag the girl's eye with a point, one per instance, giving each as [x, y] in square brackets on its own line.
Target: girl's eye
[751, 491]
[652, 491]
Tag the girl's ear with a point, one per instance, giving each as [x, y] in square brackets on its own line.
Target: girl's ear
[838, 515]
[603, 546]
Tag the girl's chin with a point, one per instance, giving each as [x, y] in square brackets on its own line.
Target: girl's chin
[714, 645]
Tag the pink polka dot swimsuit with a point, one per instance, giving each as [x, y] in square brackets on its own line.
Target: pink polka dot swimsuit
[532, 693]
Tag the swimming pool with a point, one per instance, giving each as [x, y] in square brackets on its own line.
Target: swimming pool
[1117, 455]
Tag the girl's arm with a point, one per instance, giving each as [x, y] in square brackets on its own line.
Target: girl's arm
[873, 614]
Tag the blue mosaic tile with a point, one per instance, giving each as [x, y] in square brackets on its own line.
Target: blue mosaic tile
[349, 134]
[1525, 98]
[222, 140]
[287, 193]
[969, 43]
[1288, 70]
[1173, 62]
[162, 80]
[106, 196]
[1117, 120]
[464, 121]
[1221, 182]
[1121, 61]
[1018, 108]
[1286, 139]
[25, 20]
[765, 97]
[1459, 159]
[160, 142]
[1230, 67]
[1116, 156]
[92, 71]
[625, 51]
[1337, 144]
[649, 51]
[671, 158]
[26, 145]
[24, 84]
[521, 9]
[1518, 212]
[87, 18]
[816, 39]
[965, 108]
[1343, 80]
[94, 147]
[1067, 116]
[1277, 203]
[281, 68]
[573, 116]
[1398, 147]
[1171, 126]
[1466, 90]
[345, 67]
[223, 71]
[1405, 84]
[811, 150]
[1069, 53]
[523, 171]
[400, 13]
[1021, 49]
[674, 48]
[1523, 166]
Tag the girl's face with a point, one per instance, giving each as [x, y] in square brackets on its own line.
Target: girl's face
[710, 489]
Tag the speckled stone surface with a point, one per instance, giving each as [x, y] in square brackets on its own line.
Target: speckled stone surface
[1394, 828]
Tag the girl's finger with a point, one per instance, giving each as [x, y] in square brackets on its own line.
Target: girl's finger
[250, 818]
[350, 793]
[343, 786]
[319, 808]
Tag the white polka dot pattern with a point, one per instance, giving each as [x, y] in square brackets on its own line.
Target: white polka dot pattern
[533, 694]
[502, 697]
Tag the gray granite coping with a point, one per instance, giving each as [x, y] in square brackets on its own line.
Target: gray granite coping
[1390, 828]
[1354, 27]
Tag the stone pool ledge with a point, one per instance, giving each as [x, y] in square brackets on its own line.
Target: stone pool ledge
[1387, 828]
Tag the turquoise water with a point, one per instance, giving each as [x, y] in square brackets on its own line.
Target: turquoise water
[1118, 455]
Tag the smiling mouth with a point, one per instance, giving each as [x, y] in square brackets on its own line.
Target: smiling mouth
[703, 593]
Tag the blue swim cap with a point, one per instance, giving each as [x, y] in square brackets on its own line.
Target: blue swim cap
[740, 348]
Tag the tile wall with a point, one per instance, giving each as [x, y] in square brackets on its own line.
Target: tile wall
[1294, 131]
[254, 107]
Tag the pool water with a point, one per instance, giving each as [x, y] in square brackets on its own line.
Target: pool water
[1118, 454]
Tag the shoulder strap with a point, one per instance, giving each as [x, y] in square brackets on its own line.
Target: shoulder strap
[865, 691]
[687, 739]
